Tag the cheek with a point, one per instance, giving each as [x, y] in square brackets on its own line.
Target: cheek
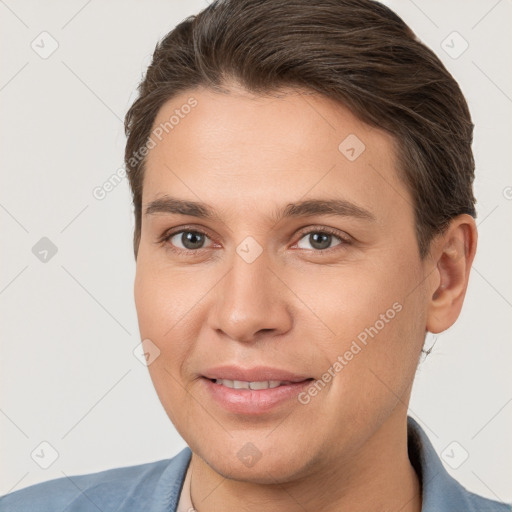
[160, 306]
[158, 312]
[170, 315]
[378, 371]
[163, 296]
[376, 320]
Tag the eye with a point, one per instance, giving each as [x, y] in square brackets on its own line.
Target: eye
[320, 240]
[189, 240]
[186, 239]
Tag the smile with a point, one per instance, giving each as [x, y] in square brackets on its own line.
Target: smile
[242, 384]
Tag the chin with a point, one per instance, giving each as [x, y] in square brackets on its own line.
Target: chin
[271, 465]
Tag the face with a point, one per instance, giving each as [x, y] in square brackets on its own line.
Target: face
[278, 250]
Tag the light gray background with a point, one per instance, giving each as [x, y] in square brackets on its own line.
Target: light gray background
[68, 373]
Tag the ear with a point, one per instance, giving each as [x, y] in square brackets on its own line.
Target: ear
[452, 254]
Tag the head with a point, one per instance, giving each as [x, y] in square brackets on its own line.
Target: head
[302, 181]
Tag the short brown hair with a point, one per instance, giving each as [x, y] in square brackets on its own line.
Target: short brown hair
[356, 52]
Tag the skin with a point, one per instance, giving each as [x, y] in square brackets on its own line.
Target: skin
[293, 308]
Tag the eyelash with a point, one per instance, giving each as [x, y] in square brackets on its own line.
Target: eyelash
[164, 239]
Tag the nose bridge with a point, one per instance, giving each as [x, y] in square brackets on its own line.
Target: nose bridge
[248, 299]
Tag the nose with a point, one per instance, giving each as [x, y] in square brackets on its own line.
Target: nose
[250, 302]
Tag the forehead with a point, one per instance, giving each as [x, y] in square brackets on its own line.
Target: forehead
[242, 150]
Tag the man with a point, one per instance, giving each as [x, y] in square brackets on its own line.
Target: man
[302, 181]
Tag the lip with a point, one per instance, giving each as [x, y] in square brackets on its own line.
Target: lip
[250, 401]
[256, 373]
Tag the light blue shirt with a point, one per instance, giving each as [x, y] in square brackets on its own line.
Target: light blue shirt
[156, 487]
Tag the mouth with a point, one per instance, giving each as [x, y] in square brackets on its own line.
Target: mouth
[255, 385]
[256, 397]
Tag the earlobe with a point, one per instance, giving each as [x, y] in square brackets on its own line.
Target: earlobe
[453, 253]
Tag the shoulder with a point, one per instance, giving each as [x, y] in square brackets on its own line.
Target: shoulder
[440, 491]
[152, 486]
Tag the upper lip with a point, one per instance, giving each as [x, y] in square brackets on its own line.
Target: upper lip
[254, 374]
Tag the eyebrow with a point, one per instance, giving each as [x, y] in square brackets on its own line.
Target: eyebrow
[309, 207]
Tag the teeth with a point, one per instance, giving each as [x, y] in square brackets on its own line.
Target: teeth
[242, 384]
[259, 385]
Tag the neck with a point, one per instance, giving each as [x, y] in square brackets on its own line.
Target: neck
[377, 477]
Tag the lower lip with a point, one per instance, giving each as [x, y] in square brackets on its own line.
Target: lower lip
[252, 401]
